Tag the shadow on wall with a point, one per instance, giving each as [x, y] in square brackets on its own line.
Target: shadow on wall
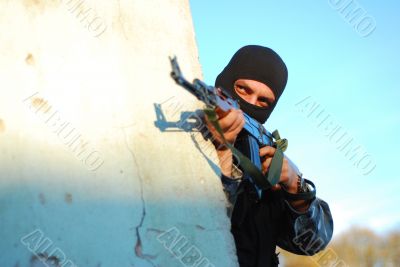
[191, 122]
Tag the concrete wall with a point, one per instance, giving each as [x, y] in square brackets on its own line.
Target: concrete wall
[87, 176]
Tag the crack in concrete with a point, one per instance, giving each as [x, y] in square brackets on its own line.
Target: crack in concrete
[138, 246]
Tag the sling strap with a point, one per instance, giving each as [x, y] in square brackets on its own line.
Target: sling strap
[262, 181]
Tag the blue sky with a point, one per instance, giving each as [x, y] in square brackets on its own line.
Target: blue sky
[353, 78]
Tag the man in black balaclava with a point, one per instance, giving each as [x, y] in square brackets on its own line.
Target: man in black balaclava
[260, 64]
[256, 76]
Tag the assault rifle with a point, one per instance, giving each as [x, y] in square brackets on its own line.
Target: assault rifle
[257, 136]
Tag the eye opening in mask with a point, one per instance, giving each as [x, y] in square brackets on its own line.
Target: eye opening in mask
[254, 93]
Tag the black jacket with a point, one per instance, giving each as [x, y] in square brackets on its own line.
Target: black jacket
[259, 225]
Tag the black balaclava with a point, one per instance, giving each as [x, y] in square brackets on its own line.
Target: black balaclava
[257, 63]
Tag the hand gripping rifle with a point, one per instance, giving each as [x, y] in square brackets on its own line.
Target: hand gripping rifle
[257, 136]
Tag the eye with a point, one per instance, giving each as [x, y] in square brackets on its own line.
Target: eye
[243, 90]
[264, 101]
[240, 88]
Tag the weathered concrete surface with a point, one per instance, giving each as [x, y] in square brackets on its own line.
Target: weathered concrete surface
[86, 177]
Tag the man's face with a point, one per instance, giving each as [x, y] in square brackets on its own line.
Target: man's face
[254, 92]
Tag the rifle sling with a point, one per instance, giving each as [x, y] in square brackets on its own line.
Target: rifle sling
[261, 181]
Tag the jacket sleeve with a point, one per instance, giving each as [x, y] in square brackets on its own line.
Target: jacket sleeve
[306, 233]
